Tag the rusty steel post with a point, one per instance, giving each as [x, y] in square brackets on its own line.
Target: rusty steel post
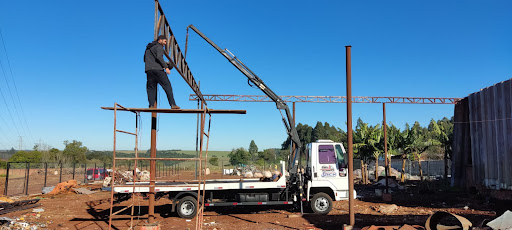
[386, 162]
[349, 137]
[152, 171]
[113, 174]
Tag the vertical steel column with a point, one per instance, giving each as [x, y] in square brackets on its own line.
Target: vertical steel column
[152, 154]
[197, 137]
[7, 178]
[134, 168]
[386, 162]
[152, 169]
[113, 174]
[349, 137]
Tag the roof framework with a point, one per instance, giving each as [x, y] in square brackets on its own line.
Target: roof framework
[330, 99]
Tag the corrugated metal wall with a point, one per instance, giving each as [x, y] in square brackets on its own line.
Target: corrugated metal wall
[488, 156]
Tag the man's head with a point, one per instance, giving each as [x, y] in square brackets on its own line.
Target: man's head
[162, 40]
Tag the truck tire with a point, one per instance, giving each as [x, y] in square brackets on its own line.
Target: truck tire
[187, 207]
[321, 203]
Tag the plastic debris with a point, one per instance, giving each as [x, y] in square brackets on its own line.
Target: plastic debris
[38, 210]
[502, 222]
[46, 190]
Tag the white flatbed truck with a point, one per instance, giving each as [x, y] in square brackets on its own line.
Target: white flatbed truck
[325, 180]
[321, 180]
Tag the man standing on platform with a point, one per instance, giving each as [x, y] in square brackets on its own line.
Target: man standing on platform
[156, 70]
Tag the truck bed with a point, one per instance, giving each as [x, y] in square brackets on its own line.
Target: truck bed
[218, 184]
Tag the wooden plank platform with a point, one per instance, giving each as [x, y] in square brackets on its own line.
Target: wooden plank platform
[150, 110]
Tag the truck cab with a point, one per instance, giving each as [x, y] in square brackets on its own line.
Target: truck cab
[326, 174]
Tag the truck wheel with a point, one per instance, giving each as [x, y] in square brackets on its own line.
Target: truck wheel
[187, 207]
[321, 203]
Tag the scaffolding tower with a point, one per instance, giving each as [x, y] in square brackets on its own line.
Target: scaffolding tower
[177, 61]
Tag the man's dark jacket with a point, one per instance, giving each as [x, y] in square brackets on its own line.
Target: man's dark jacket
[153, 57]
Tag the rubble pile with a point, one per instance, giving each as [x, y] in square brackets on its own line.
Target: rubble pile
[251, 171]
[32, 221]
[121, 177]
[64, 187]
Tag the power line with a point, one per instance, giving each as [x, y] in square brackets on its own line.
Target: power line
[15, 88]
[7, 137]
[9, 110]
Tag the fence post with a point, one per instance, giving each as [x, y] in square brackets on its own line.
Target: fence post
[222, 174]
[74, 166]
[94, 172]
[28, 176]
[104, 170]
[45, 172]
[85, 173]
[7, 178]
[60, 174]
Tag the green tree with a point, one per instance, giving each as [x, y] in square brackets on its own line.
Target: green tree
[445, 138]
[24, 156]
[253, 150]
[99, 156]
[75, 152]
[239, 156]
[214, 160]
[268, 155]
[367, 145]
[394, 143]
[319, 132]
[419, 140]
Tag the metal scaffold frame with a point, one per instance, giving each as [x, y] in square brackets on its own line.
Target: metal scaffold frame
[177, 60]
[202, 159]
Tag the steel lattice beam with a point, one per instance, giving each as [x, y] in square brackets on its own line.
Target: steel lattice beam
[331, 99]
[172, 50]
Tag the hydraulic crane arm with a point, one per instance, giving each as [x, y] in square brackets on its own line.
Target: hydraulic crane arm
[281, 105]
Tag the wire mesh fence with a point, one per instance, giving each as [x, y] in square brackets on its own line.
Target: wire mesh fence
[431, 168]
[31, 178]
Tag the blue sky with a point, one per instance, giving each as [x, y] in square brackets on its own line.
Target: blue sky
[66, 59]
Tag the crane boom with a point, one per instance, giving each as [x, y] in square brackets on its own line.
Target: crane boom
[280, 104]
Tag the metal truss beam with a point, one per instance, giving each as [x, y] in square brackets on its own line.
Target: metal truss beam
[172, 50]
[153, 110]
[331, 99]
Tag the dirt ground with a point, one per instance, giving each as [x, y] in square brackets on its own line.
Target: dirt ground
[415, 204]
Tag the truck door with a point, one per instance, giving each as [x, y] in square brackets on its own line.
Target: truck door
[331, 165]
[326, 162]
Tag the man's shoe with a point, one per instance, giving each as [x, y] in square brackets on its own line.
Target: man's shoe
[175, 107]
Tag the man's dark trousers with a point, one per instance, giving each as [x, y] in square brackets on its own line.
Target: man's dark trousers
[156, 77]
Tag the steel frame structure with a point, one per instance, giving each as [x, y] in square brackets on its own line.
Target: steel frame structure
[177, 60]
[202, 160]
[330, 99]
